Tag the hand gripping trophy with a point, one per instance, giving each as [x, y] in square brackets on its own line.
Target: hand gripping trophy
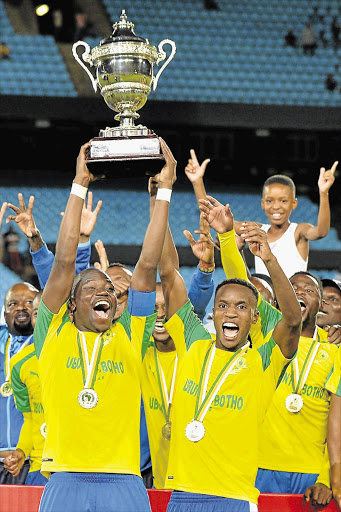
[123, 72]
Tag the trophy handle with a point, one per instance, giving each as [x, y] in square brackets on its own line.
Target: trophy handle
[87, 58]
[161, 56]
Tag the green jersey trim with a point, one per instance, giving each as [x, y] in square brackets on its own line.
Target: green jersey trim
[269, 317]
[20, 390]
[194, 328]
[44, 319]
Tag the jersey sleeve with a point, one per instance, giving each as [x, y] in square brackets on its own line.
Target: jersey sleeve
[324, 477]
[333, 384]
[46, 320]
[25, 442]
[268, 318]
[185, 328]
[200, 291]
[138, 329]
[42, 260]
[274, 366]
[83, 256]
[231, 258]
[20, 391]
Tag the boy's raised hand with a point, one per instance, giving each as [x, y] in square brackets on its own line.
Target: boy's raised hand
[257, 240]
[326, 178]
[194, 171]
[219, 217]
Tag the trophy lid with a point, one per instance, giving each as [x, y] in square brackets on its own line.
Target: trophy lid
[123, 31]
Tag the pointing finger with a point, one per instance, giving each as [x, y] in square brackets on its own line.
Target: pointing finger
[333, 169]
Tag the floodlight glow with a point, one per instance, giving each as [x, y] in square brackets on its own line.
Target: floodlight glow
[42, 9]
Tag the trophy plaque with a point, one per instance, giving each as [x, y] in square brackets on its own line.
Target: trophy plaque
[123, 71]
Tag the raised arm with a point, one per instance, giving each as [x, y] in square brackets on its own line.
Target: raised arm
[288, 330]
[308, 231]
[195, 173]
[202, 284]
[144, 276]
[221, 220]
[173, 285]
[59, 284]
[24, 219]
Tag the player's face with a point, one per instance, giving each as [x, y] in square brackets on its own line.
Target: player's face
[95, 302]
[278, 202]
[160, 334]
[234, 312]
[308, 296]
[120, 277]
[331, 307]
[18, 309]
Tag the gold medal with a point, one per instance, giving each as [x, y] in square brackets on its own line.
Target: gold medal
[166, 430]
[294, 402]
[195, 431]
[88, 398]
[43, 430]
[6, 389]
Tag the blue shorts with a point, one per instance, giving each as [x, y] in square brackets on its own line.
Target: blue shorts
[94, 492]
[284, 481]
[35, 478]
[194, 502]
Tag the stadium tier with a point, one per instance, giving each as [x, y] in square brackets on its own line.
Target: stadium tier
[235, 54]
[184, 213]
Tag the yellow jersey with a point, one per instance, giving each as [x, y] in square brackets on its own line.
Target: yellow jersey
[295, 442]
[225, 461]
[155, 407]
[25, 383]
[103, 439]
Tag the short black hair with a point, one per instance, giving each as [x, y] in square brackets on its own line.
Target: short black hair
[282, 179]
[315, 278]
[241, 282]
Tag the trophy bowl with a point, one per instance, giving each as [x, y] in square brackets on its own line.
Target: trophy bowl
[122, 68]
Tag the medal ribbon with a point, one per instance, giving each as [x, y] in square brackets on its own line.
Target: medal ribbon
[299, 379]
[89, 368]
[8, 353]
[166, 398]
[205, 398]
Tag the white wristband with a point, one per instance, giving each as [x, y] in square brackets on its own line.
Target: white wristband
[164, 194]
[78, 190]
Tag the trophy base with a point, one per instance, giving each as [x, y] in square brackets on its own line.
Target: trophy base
[134, 155]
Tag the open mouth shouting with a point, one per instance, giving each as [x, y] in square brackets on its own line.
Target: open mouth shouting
[302, 304]
[159, 327]
[102, 308]
[230, 330]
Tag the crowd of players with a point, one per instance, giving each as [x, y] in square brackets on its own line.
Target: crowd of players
[249, 402]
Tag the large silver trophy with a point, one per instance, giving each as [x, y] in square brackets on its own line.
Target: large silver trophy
[123, 71]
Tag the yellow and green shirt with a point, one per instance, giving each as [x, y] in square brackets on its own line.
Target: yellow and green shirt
[104, 439]
[155, 408]
[295, 442]
[27, 395]
[225, 462]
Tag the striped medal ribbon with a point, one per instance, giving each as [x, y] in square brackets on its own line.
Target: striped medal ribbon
[294, 402]
[88, 398]
[6, 388]
[195, 430]
[166, 397]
